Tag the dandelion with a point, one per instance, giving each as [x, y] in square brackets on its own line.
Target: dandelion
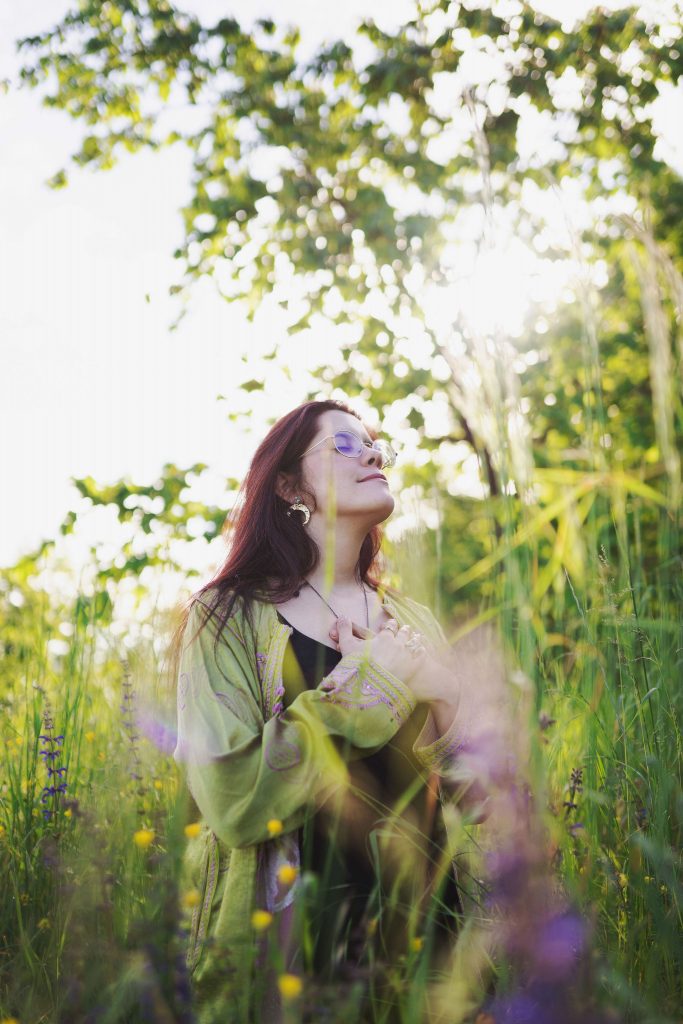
[286, 874]
[9, 1020]
[416, 944]
[158, 784]
[274, 827]
[290, 986]
[193, 830]
[90, 735]
[68, 812]
[191, 898]
[260, 920]
[143, 837]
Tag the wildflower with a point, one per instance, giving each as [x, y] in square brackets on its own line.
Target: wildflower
[623, 880]
[101, 755]
[51, 753]
[286, 874]
[560, 943]
[68, 812]
[90, 735]
[158, 784]
[416, 944]
[44, 924]
[9, 1020]
[193, 830]
[191, 898]
[290, 986]
[24, 898]
[18, 740]
[143, 837]
[647, 879]
[260, 920]
[274, 826]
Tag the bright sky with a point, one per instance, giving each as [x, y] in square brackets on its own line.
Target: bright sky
[93, 382]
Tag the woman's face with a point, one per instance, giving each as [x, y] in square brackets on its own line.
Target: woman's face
[358, 485]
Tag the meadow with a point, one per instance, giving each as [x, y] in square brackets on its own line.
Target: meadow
[402, 177]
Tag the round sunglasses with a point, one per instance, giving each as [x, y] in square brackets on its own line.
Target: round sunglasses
[350, 444]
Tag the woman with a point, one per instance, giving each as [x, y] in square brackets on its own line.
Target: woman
[315, 714]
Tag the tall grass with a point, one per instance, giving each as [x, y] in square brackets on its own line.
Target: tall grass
[585, 583]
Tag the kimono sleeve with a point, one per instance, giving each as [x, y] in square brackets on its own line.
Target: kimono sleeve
[449, 755]
[243, 772]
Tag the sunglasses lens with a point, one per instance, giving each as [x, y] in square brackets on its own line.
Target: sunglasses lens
[347, 444]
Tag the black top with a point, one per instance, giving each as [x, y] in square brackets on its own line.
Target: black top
[343, 861]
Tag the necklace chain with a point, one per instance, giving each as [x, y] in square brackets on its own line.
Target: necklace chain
[367, 613]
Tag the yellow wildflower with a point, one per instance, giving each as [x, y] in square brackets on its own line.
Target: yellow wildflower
[416, 944]
[143, 837]
[290, 986]
[101, 755]
[68, 812]
[9, 1020]
[44, 923]
[274, 826]
[90, 735]
[193, 830]
[191, 898]
[286, 874]
[158, 784]
[18, 740]
[260, 920]
[623, 881]
[2, 829]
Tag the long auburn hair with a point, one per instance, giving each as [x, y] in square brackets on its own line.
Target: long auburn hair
[270, 552]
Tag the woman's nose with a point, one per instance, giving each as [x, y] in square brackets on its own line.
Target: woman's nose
[371, 457]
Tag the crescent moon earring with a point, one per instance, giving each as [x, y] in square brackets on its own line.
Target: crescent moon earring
[298, 506]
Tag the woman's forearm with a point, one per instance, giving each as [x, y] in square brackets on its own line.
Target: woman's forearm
[443, 713]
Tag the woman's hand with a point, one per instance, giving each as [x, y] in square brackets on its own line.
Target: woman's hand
[414, 665]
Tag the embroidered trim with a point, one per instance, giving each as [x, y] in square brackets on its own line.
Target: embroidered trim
[210, 889]
[346, 686]
[440, 754]
[272, 672]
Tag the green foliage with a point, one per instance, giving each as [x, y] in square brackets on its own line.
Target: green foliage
[326, 168]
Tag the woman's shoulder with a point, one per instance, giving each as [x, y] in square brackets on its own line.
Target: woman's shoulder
[225, 609]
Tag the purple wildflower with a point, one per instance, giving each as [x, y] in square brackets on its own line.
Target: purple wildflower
[51, 751]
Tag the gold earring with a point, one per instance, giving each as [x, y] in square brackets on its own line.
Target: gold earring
[298, 506]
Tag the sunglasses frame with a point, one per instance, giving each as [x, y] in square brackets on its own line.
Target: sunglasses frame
[386, 462]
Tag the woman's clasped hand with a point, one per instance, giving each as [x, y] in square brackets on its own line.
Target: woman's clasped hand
[401, 651]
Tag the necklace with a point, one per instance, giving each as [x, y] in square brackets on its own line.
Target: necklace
[367, 613]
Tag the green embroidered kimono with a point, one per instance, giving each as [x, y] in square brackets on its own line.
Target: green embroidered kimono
[248, 761]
